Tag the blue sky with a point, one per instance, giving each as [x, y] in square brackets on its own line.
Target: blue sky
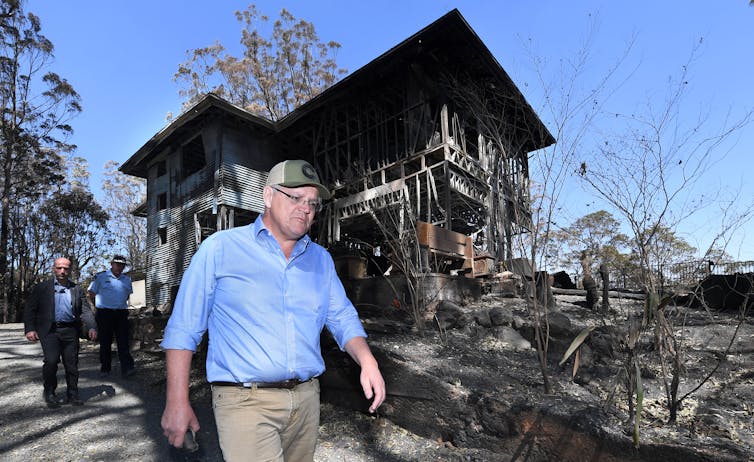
[121, 55]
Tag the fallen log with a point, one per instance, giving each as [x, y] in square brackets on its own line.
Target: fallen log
[610, 293]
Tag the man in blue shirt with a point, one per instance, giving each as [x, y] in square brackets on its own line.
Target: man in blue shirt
[265, 292]
[109, 291]
[52, 316]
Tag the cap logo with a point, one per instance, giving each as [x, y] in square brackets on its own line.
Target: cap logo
[309, 172]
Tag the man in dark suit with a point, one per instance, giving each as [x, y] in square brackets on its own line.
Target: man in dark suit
[53, 316]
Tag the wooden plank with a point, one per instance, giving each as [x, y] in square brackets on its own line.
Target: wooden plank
[482, 265]
[441, 239]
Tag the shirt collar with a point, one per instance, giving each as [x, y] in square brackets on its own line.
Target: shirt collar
[110, 273]
[258, 227]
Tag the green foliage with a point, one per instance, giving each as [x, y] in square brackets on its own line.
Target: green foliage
[36, 106]
[719, 255]
[598, 237]
[272, 75]
[665, 246]
[575, 344]
[77, 226]
[598, 234]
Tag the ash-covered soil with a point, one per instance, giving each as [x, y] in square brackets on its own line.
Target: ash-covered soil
[494, 383]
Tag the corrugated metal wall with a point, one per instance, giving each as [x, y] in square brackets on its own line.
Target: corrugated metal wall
[242, 187]
[227, 182]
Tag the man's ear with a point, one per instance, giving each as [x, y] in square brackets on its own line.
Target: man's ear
[267, 195]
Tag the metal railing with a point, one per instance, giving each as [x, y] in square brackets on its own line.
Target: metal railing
[685, 276]
[680, 277]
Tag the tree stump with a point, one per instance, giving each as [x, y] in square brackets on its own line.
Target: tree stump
[605, 274]
[590, 286]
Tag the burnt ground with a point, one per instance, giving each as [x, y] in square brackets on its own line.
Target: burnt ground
[471, 391]
[476, 384]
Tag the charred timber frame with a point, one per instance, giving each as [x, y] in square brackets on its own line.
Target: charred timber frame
[372, 158]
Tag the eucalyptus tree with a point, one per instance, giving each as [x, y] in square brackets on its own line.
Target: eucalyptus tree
[123, 195]
[598, 234]
[36, 105]
[76, 226]
[273, 74]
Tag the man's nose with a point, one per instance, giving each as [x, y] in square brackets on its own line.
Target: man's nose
[305, 206]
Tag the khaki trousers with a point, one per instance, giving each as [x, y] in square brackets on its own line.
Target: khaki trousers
[267, 424]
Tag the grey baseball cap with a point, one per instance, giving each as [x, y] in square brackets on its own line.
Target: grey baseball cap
[295, 173]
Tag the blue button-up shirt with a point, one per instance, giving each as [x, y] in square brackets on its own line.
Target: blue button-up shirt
[110, 291]
[264, 313]
[63, 309]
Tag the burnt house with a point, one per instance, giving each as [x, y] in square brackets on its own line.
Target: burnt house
[434, 130]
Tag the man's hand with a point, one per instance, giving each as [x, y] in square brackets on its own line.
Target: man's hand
[92, 334]
[178, 416]
[373, 385]
[176, 420]
[371, 377]
[32, 336]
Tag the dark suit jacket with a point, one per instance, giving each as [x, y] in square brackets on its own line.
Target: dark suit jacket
[39, 313]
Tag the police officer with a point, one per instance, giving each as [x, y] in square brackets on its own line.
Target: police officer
[109, 292]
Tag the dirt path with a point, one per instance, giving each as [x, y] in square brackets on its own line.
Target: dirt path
[120, 419]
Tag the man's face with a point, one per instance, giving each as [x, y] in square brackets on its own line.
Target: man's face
[62, 269]
[289, 209]
[117, 268]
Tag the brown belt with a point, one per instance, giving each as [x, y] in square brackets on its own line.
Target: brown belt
[287, 384]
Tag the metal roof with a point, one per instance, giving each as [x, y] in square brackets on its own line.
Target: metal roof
[449, 38]
[138, 163]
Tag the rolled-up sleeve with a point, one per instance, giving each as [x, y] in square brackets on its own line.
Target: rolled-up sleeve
[194, 301]
[342, 318]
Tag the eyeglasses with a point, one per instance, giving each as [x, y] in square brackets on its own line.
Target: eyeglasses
[315, 205]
